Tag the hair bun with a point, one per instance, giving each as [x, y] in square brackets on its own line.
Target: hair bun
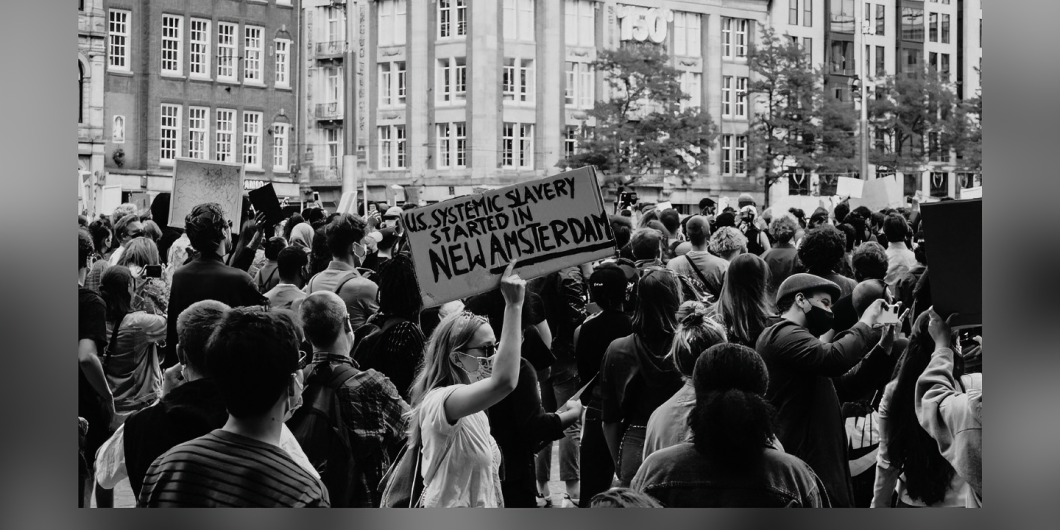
[692, 313]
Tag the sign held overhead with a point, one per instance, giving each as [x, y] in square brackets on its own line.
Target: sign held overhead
[461, 247]
[200, 181]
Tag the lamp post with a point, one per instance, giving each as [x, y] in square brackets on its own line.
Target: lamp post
[863, 29]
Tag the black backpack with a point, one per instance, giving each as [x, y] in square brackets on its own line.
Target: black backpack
[321, 431]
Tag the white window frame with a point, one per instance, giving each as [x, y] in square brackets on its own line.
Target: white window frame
[580, 23]
[282, 59]
[517, 146]
[118, 32]
[451, 80]
[392, 84]
[442, 132]
[199, 52]
[172, 44]
[252, 126]
[726, 154]
[227, 51]
[384, 85]
[519, 20]
[518, 84]
[333, 84]
[743, 30]
[392, 16]
[199, 133]
[401, 155]
[393, 148]
[687, 34]
[726, 37]
[334, 19]
[452, 145]
[280, 146]
[726, 96]
[224, 132]
[459, 136]
[333, 148]
[740, 155]
[692, 84]
[741, 97]
[385, 147]
[508, 145]
[452, 19]
[580, 85]
[570, 142]
[253, 56]
[169, 133]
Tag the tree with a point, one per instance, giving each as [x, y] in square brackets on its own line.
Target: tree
[970, 136]
[641, 126]
[916, 116]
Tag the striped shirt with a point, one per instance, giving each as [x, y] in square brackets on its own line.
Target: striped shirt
[222, 469]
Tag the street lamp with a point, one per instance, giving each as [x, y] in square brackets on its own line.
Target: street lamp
[865, 28]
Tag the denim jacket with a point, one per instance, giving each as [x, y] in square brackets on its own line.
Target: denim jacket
[682, 477]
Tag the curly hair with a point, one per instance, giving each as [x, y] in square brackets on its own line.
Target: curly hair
[85, 248]
[870, 262]
[727, 239]
[783, 228]
[821, 249]
[205, 226]
[399, 292]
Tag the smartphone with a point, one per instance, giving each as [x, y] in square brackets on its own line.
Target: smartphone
[889, 315]
[153, 271]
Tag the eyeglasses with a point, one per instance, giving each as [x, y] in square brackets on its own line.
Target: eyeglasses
[301, 360]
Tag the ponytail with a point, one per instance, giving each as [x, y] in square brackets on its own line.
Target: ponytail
[733, 424]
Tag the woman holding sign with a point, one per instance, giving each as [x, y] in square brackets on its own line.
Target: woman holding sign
[465, 371]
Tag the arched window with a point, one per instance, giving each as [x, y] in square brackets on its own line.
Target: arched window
[80, 92]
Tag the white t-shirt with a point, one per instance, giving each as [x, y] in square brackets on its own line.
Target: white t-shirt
[468, 473]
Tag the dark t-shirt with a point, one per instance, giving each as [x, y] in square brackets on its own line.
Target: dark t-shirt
[91, 324]
[781, 261]
[634, 381]
[597, 333]
[845, 315]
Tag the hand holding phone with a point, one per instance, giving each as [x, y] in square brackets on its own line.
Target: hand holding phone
[153, 271]
[890, 314]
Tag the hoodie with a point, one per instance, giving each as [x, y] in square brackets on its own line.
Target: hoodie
[635, 381]
[187, 412]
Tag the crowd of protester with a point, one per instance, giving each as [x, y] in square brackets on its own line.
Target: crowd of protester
[720, 359]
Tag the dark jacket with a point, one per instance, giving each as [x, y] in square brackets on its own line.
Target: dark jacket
[634, 382]
[206, 278]
[598, 332]
[801, 389]
[187, 412]
[563, 295]
[682, 477]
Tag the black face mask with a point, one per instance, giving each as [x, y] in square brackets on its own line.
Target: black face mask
[818, 320]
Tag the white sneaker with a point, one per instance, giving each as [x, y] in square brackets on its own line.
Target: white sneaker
[568, 502]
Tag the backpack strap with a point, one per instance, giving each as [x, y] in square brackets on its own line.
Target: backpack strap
[342, 281]
[699, 273]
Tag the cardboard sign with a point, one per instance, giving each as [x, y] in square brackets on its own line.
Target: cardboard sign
[954, 234]
[348, 203]
[664, 206]
[461, 247]
[849, 187]
[264, 200]
[877, 194]
[111, 198]
[200, 181]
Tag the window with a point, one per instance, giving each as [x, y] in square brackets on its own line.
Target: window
[911, 60]
[517, 141]
[945, 29]
[881, 68]
[945, 67]
[726, 38]
[842, 16]
[570, 141]
[392, 84]
[726, 96]
[726, 154]
[226, 126]
[283, 62]
[933, 61]
[118, 33]
[252, 139]
[452, 18]
[690, 84]
[912, 24]
[579, 89]
[881, 19]
[580, 23]
[687, 34]
[933, 27]
[452, 145]
[842, 57]
[172, 39]
[117, 130]
[392, 147]
[279, 148]
[333, 84]
[793, 12]
[226, 51]
[740, 159]
[336, 26]
[198, 132]
[333, 145]
[200, 48]
[80, 92]
[519, 20]
[807, 46]
[252, 54]
[169, 139]
[741, 37]
[807, 13]
[519, 80]
[741, 97]
[452, 79]
[392, 22]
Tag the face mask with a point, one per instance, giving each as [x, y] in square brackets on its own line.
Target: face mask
[484, 370]
[294, 402]
[818, 320]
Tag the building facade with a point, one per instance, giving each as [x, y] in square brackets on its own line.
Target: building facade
[91, 57]
[213, 80]
[499, 90]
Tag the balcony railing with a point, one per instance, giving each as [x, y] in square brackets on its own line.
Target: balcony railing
[333, 48]
[329, 111]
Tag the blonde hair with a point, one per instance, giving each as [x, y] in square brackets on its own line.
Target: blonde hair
[436, 371]
[697, 331]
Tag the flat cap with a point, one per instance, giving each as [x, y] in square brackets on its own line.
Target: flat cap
[802, 282]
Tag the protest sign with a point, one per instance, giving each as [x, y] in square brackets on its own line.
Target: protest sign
[461, 247]
[877, 194]
[200, 181]
[664, 206]
[264, 200]
[111, 198]
[954, 232]
[849, 187]
[348, 203]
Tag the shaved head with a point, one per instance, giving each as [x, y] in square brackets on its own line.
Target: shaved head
[322, 314]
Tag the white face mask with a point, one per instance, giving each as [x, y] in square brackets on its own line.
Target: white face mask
[483, 371]
[295, 401]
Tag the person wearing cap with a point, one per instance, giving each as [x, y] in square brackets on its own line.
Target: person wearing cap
[609, 288]
[288, 294]
[801, 369]
[757, 242]
[745, 199]
[392, 220]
